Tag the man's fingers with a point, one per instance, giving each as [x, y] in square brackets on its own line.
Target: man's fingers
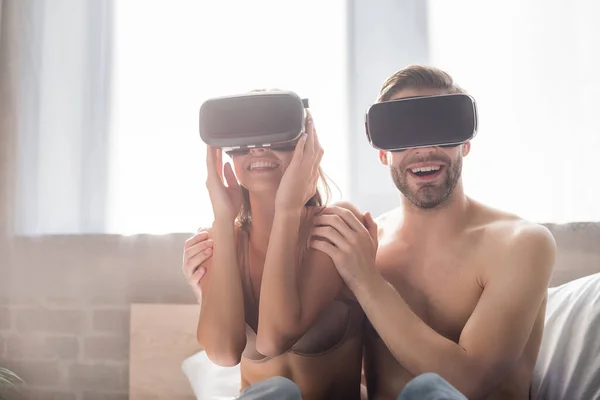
[347, 215]
[198, 237]
[196, 261]
[198, 247]
[335, 222]
[331, 234]
[371, 226]
[197, 276]
[327, 248]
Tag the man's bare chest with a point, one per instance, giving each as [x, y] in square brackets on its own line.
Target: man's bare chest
[442, 289]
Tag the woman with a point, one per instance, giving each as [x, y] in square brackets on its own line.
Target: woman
[268, 300]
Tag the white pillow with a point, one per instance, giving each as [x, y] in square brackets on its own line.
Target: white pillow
[568, 365]
[210, 381]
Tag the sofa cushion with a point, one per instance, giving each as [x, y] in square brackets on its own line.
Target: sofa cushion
[578, 251]
[568, 365]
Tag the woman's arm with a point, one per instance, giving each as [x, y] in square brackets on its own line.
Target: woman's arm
[292, 296]
[221, 328]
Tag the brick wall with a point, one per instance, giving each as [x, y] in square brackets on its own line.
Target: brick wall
[64, 309]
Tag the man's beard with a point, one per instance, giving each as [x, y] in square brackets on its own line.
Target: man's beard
[428, 196]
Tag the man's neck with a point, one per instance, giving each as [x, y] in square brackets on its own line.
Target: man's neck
[439, 222]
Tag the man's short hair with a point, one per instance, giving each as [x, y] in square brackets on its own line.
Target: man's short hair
[418, 77]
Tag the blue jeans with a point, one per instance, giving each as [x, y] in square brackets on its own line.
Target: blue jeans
[427, 386]
[276, 388]
[430, 386]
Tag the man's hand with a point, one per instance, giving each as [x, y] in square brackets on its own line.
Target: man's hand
[196, 251]
[351, 245]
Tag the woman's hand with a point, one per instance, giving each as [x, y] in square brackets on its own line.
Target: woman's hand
[226, 200]
[196, 251]
[299, 182]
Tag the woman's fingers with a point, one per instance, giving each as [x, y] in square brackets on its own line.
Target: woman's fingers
[230, 177]
[214, 165]
[299, 150]
[309, 149]
[219, 163]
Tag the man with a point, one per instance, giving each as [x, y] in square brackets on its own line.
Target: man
[456, 294]
[455, 291]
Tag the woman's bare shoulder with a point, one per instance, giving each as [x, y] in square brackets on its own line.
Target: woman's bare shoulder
[351, 207]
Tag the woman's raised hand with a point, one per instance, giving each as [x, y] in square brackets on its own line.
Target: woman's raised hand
[226, 199]
[299, 182]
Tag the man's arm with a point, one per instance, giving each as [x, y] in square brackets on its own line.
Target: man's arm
[495, 335]
[221, 327]
[292, 296]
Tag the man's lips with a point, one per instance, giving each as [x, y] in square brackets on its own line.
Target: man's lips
[425, 171]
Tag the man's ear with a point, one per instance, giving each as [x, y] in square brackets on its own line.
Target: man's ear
[466, 149]
[383, 157]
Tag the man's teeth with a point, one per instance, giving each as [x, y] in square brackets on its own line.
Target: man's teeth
[425, 169]
[262, 164]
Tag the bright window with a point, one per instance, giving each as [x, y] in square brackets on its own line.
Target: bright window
[172, 55]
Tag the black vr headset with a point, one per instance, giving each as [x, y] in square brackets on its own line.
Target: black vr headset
[239, 123]
[276, 120]
[442, 120]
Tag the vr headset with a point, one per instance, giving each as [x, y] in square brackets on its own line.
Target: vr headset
[239, 123]
[443, 120]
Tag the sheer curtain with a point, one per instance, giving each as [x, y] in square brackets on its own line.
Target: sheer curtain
[533, 67]
[108, 93]
[58, 52]
[175, 54]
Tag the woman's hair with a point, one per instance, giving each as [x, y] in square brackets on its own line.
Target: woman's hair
[321, 197]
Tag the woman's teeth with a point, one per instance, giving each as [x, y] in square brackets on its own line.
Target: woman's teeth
[262, 164]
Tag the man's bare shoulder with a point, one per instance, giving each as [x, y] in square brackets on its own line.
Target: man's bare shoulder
[506, 227]
[388, 223]
[512, 240]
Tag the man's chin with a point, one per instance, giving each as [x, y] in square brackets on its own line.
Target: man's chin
[428, 198]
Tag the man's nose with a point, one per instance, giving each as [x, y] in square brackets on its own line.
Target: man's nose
[424, 150]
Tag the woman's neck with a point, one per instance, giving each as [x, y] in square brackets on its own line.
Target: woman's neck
[263, 214]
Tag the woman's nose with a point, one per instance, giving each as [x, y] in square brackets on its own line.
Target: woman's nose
[257, 150]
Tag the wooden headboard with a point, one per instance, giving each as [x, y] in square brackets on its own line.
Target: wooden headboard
[161, 337]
